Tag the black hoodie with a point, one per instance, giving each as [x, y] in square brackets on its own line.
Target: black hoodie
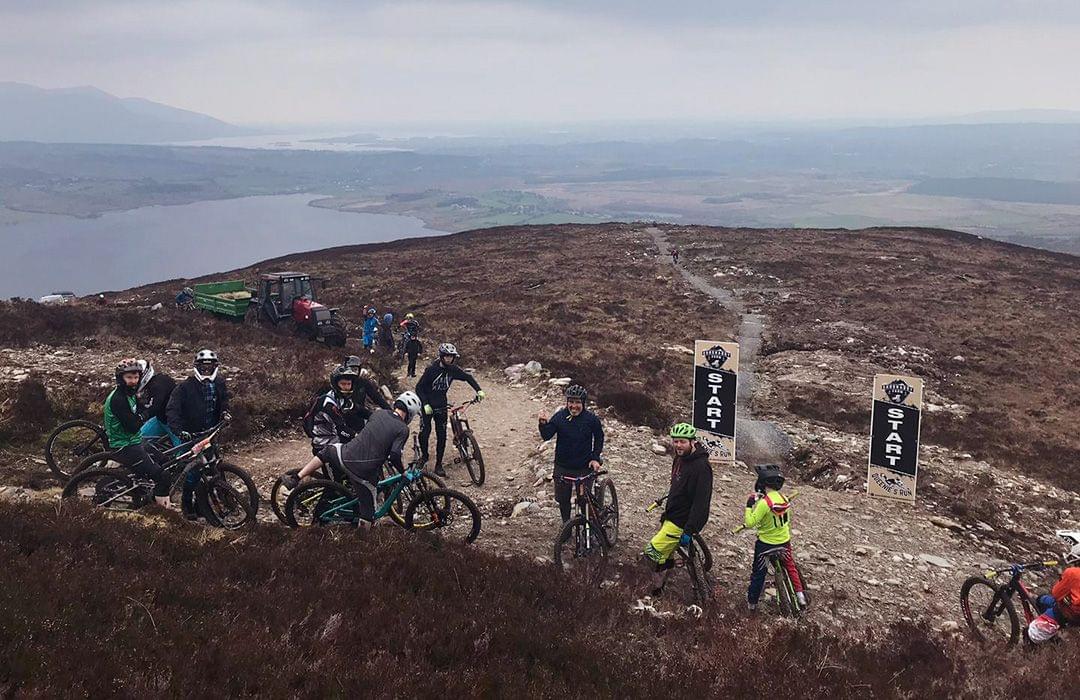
[691, 490]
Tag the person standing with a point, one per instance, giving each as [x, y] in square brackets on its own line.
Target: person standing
[386, 332]
[432, 390]
[197, 404]
[580, 443]
[410, 341]
[371, 327]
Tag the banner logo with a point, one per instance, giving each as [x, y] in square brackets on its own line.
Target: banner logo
[897, 390]
[716, 356]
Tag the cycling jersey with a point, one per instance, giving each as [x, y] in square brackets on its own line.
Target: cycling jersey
[771, 517]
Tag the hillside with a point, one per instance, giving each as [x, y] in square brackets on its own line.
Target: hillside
[89, 115]
[601, 304]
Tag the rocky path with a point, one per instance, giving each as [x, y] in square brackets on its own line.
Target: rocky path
[757, 441]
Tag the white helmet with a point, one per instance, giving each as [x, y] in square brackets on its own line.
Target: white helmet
[410, 402]
[147, 373]
[206, 365]
[1073, 557]
[448, 349]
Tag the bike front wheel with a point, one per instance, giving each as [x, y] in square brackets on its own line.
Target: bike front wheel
[230, 500]
[582, 546]
[70, 443]
[451, 514]
[988, 611]
[698, 564]
[426, 482]
[279, 494]
[474, 460]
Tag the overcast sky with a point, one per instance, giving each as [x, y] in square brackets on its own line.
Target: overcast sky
[338, 61]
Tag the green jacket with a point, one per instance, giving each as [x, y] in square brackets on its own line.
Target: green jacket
[122, 421]
[771, 517]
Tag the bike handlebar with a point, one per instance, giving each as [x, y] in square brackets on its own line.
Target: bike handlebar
[576, 479]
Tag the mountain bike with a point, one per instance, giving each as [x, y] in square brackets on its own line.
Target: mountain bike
[696, 560]
[988, 605]
[279, 495]
[465, 442]
[72, 442]
[324, 503]
[585, 539]
[224, 494]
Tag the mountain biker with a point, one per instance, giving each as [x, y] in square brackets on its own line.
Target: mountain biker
[580, 443]
[358, 415]
[674, 256]
[197, 404]
[371, 327]
[688, 501]
[1062, 605]
[432, 389]
[769, 512]
[361, 459]
[122, 425]
[410, 341]
[386, 332]
[331, 422]
[154, 392]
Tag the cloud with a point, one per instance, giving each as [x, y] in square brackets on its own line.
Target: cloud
[337, 61]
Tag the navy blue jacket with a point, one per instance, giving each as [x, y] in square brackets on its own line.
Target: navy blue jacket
[581, 439]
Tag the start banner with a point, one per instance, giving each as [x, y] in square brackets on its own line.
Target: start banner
[894, 437]
[716, 377]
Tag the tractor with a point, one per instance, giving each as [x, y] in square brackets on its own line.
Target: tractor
[288, 299]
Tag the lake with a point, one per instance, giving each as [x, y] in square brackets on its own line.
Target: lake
[45, 252]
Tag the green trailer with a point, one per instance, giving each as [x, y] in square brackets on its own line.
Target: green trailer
[229, 298]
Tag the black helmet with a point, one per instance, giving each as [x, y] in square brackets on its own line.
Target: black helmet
[576, 391]
[769, 475]
[343, 372]
[352, 361]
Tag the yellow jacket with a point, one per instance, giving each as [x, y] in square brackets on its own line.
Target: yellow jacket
[771, 517]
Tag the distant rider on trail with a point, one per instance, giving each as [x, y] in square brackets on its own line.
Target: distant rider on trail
[688, 501]
[371, 328]
[432, 389]
[580, 443]
[410, 341]
[122, 425]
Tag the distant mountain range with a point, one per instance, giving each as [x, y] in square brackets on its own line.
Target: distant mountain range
[89, 115]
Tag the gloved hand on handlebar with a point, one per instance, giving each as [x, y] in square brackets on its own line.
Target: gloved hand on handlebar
[226, 416]
[480, 395]
[684, 540]
[751, 500]
[186, 436]
[428, 410]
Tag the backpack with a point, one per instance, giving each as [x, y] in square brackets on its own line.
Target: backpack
[309, 416]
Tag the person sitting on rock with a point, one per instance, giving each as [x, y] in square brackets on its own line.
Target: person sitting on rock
[1062, 605]
[688, 501]
[769, 512]
[580, 443]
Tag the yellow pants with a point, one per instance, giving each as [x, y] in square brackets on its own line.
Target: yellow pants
[664, 542]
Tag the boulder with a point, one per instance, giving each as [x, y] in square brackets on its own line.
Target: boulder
[659, 449]
[946, 523]
[522, 508]
[934, 560]
[532, 367]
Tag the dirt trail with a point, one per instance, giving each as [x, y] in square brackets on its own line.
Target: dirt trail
[758, 441]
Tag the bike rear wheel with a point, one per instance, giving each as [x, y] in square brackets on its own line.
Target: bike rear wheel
[474, 460]
[114, 489]
[785, 592]
[609, 510]
[989, 613]
[321, 503]
[581, 546]
[70, 443]
[451, 514]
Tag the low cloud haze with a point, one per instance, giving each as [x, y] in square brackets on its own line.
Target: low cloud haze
[326, 61]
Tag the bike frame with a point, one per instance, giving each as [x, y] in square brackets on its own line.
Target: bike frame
[1015, 587]
[398, 481]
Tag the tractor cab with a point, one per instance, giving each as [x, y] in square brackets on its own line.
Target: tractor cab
[291, 297]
